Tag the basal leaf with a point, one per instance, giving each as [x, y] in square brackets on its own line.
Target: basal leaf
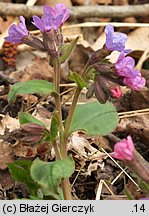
[42, 87]
[49, 174]
[95, 118]
[20, 171]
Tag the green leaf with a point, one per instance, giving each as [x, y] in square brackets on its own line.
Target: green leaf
[67, 49]
[49, 174]
[78, 79]
[42, 87]
[20, 171]
[27, 118]
[54, 128]
[95, 118]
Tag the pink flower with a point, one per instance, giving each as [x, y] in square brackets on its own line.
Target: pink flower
[125, 66]
[132, 78]
[124, 149]
[135, 83]
[116, 92]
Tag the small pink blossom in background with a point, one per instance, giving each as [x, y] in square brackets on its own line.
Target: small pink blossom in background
[124, 149]
[116, 92]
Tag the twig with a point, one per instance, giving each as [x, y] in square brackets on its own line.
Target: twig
[99, 190]
[121, 168]
[78, 11]
[98, 24]
[142, 59]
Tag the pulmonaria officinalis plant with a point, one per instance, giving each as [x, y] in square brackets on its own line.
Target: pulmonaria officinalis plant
[94, 118]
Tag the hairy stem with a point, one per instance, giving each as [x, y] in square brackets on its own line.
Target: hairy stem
[73, 106]
[58, 106]
[63, 150]
[71, 112]
[57, 152]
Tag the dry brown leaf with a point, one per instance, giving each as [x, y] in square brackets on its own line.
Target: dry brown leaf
[6, 180]
[40, 69]
[43, 115]
[4, 24]
[83, 147]
[93, 166]
[139, 127]
[139, 99]
[6, 154]
[138, 39]
[9, 123]
[25, 151]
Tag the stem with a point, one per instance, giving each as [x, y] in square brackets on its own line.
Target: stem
[71, 112]
[57, 152]
[63, 150]
[58, 107]
[73, 106]
[66, 189]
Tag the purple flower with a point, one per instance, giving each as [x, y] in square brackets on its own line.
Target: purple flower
[59, 10]
[125, 66]
[53, 18]
[135, 83]
[17, 32]
[124, 149]
[114, 41]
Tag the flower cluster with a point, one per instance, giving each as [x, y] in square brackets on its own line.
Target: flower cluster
[53, 18]
[52, 41]
[130, 77]
[124, 149]
[49, 25]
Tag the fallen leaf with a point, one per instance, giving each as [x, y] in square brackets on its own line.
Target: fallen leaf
[83, 147]
[9, 123]
[7, 155]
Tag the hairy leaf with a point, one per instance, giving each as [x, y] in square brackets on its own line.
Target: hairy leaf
[42, 87]
[20, 171]
[49, 174]
[95, 118]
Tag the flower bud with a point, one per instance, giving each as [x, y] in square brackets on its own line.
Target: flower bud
[98, 56]
[29, 133]
[90, 91]
[34, 42]
[101, 90]
[116, 92]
